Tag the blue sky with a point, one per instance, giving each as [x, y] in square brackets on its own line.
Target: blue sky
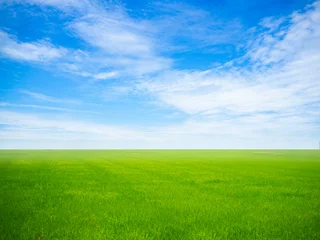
[159, 74]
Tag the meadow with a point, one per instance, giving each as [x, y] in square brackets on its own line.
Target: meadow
[159, 194]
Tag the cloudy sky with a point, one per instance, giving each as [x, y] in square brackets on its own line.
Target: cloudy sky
[159, 74]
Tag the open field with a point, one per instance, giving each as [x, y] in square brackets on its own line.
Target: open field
[254, 194]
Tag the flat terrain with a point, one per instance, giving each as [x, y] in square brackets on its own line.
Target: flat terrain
[254, 194]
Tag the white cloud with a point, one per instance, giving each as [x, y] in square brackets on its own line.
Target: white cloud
[278, 88]
[15, 105]
[64, 5]
[46, 98]
[181, 28]
[281, 42]
[122, 43]
[43, 128]
[278, 101]
[113, 32]
[40, 51]
[20, 130]
[105, 75]
[205, 92]
[116, 41]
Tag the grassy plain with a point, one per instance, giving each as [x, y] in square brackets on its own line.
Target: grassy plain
[151, 194]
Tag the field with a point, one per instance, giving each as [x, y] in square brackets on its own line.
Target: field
[151, 194]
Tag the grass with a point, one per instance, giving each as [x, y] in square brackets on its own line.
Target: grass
[151, 194]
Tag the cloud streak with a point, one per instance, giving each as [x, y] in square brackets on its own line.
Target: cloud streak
[46, 98]
[46, 126]
[41, 51]
[41, 107]
[290, 85]
[53, 130]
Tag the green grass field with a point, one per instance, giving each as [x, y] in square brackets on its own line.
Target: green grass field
[254, 194]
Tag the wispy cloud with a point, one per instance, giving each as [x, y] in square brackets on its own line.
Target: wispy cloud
[182, 28]
[46, 98]
[282, 37]
[285, 91]
[105, 75]
[18, 105]
[50, 131]
[124, 44]
[114, 32]
[62, 125]
[117, 42]
[64, 5]
[41, 51]
[130, 46]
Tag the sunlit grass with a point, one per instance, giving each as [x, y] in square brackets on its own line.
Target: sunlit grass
[160, 194]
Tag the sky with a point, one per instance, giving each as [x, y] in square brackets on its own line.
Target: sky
[98, 74]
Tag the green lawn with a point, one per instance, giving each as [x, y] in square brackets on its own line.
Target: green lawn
[254, 194]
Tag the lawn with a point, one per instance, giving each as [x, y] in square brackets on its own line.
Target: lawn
[152, 194]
